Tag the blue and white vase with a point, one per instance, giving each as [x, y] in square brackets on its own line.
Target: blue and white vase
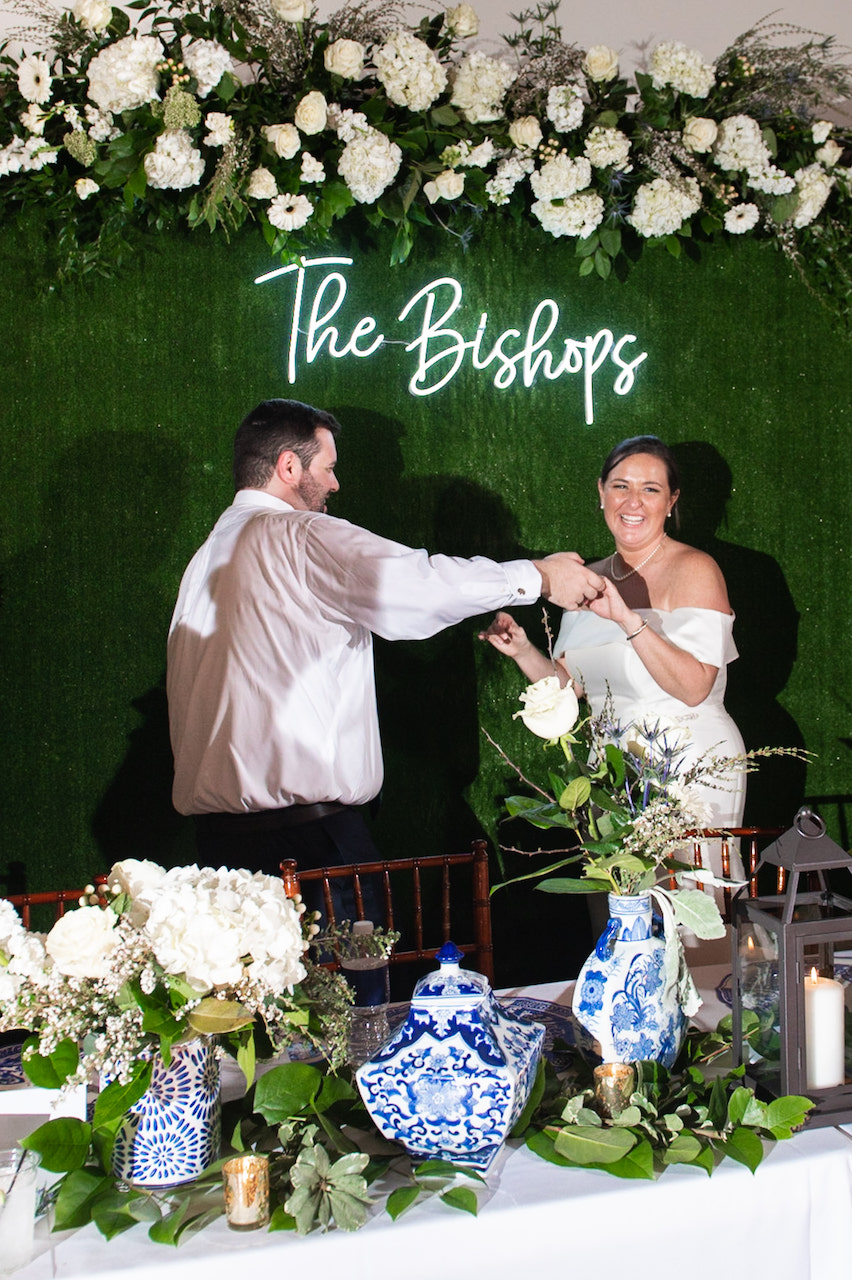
[452, 1080]
[626, 1009]
[172, 1134]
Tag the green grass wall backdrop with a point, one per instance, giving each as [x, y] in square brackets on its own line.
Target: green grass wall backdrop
[119, 407]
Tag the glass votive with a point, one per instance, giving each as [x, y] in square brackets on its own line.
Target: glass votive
[614, 1084]
[246, 1180]
[17, 1207]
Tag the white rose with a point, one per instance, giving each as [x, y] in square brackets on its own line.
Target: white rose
[262, 184]
[462, 21]
[820, 130]
[830, 153]
[95, 15]
[549, 710]
[291, 10]
[283, 138]
[525, 132]
[312, 113]
[137, 877]
[81, 942]
[345, 58]
[600, 63]
[447, 186]
[699, 133]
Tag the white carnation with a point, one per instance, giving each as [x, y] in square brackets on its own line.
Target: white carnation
[661, 207]
[369, 164]
[33, 120]
[34, 79]
[220, 129]
[607, 148]
[288, 212]
[207, 61]
[94, 15]
[683, 69]
[101, 127]
[561, 177]
[813, 187]
[480, 86]
[410, 71]
[579, 215]
[829, 153]
[124, 75]
[565, 107]
[174, 163]
[262, 184]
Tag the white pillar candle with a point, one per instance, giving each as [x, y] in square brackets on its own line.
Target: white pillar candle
[825, 1025]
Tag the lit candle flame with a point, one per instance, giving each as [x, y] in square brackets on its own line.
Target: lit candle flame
[814, 976]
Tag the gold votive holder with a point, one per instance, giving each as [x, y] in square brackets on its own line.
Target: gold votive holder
[246, 1180]
[614, 1085]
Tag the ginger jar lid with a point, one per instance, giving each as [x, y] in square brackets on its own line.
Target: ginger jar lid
[450, 984]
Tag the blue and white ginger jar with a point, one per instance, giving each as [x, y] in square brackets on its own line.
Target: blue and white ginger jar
[450, 1083]
[172, 1134]
[625, 1008]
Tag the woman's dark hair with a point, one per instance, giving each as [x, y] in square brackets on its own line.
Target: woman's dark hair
[272, 427]
[655, 447]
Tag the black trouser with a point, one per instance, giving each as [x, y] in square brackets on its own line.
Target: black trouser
[260, 841]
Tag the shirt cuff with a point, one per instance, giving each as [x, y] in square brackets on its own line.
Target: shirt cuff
[524, 581]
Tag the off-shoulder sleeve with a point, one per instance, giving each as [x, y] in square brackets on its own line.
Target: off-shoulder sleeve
[705, 633]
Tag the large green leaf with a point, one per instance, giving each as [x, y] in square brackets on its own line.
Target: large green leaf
[79, 1191]
[212, 1017]
[62, 1144]
[400, 1199]
[52, 1071]
[697, 911]
[783, 1115]
[585, 1144]
[743, 1145]
[287, 1091]
[565, 885]
[116, 1099]
[461, 1198]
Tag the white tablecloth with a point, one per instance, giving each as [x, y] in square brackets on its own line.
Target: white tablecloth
[792, 1219]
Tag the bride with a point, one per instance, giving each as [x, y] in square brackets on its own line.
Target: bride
[659, 637]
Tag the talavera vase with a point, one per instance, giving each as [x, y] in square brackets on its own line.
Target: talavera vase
[172, 1134]
[452, 1081]
[625, 1009]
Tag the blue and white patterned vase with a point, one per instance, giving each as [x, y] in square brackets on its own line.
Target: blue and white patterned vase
[450, 1083]
[625, 1009]
[172, 1134]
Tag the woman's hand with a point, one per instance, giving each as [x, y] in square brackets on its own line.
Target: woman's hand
[610, 605]
[506, 636]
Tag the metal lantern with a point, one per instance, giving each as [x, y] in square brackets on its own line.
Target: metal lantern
[792, 960]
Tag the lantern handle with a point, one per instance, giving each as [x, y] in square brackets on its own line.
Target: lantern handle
[814, 822]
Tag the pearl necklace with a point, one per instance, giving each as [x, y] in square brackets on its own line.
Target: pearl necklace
[639, 566]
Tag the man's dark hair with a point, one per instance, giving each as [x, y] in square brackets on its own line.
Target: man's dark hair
[264, 434]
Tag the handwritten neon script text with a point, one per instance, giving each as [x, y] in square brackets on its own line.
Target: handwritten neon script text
[535, 352]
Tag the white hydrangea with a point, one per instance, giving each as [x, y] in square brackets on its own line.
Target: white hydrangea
[820, 129]
[742, 218]
[101, 126]
[312, 169]
[829, 153]
[369, 164]
[480, 85]
[813, 187]
[608, 148]
[207, 60]
[509, 173]
[565, 106]
[685, 70]
[94, 15]
[22, 954]
[174, 163]
[262, 184]
[34, 79]
[661, 207]
[220, 129]
[347, 124]
[740, 145]
[124, 75]
[561, 177]
[27, 156]
[579, 215]
[410, 71]
[772, 181]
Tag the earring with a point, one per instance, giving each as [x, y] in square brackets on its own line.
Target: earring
[600, 508]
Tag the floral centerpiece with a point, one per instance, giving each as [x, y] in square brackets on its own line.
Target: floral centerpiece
[630, 798]
[170, 956]
[211, 114]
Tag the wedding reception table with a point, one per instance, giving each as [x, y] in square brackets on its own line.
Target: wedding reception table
[793, 1218]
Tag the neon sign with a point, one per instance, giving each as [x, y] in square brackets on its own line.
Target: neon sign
[515, 355]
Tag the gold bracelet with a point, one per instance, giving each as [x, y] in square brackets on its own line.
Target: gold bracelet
[636, 633]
